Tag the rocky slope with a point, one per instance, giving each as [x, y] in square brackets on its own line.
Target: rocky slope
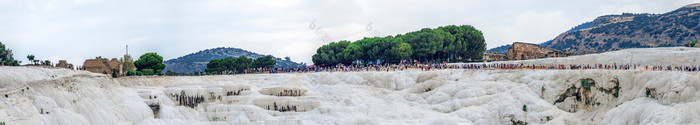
[612, 32]
[197, 62]
[504, 48]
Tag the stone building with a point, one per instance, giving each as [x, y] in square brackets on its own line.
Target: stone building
[521, 51]
[64, 64]
[103, 65]
[491, 56]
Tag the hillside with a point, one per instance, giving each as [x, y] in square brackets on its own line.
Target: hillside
[613, 32]
[504, 48]
[196, 62]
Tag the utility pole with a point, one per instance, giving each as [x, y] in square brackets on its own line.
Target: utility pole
[127, 49]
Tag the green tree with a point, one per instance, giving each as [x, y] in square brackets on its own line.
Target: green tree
[239, 64]
[372, 49]
[31, 58]
[151, 61]
[353, 52]
[331, 53]
[392, 48]
[6, 56]
[47, 63]
[264, 62]
[243, 63]
[148, 72]
[692, 43]
[448, 43]
[403, 51]
[426, 42]
[468, 43]
[127, 63]
[214, 65]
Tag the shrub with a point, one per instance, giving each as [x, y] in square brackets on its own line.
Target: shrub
[139, 73]
[648, 93]
[525, 108]
[542, 88]
[617, 87]
[549, 118]
[147, 71]
[171, 73]
[587, 83]
[130, 73]
[114, 73]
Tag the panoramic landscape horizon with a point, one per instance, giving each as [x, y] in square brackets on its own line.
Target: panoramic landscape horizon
[52, 30]
[85, 62]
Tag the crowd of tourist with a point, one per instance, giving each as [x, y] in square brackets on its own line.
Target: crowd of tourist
[489, 66]
[614, 66]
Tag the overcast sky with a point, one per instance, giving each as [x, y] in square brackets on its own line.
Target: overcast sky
[81, 29]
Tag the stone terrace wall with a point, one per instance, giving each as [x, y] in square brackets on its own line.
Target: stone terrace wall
[102, 65]
[520, 51]
[490, 56]
[64, 64]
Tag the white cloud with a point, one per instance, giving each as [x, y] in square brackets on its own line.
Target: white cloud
[82, 29]
[537, 27]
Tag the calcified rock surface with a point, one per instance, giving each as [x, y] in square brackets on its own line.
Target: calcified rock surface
[455, 96]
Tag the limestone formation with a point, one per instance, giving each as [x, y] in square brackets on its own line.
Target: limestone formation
[521, 51]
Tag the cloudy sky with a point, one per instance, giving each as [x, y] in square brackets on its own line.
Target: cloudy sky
[81, 29]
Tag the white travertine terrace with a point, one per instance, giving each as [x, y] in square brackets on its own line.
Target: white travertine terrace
[451, 96]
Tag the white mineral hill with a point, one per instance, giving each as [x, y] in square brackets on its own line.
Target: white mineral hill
[455, 96]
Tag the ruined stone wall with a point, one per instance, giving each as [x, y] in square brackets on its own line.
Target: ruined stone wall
[64, 64]
[490, 56]
[115, 64]
[102, 65]
[520, 51]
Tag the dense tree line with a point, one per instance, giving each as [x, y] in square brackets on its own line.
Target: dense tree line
[447, 43]
[239, 64]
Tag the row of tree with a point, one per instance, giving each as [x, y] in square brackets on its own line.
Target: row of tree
[7, 59]
[239, 64]
[447, 43]
[152, 63]
[31, 59]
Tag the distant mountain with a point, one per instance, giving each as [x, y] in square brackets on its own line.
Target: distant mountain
[196, 62]
[500, 49]
[612, 32]
[581, 26]
[504, 48]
